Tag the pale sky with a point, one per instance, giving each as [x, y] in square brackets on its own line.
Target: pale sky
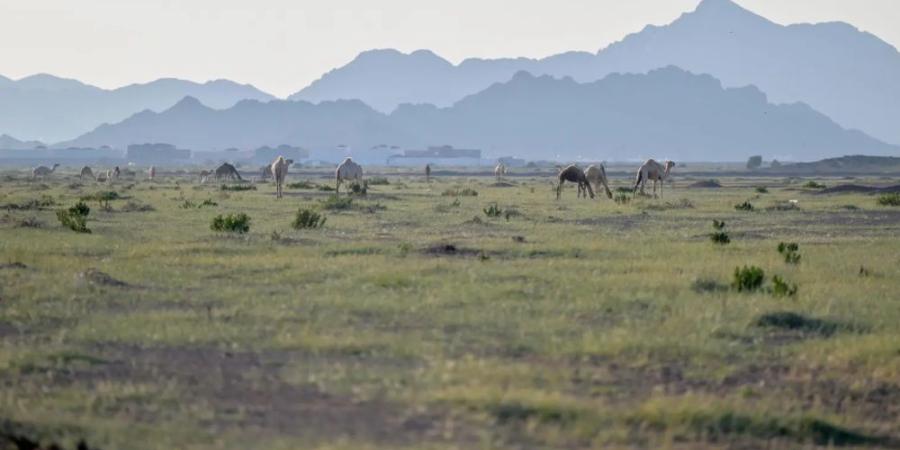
[280, 46]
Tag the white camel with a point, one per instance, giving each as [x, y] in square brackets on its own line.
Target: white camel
[500, 171]
[596, 175]
[109, 175]
[151, 173]
[204, 175]
[652, 170]
[42, 171]
[348, 170]
[279, 170]
[86, 172]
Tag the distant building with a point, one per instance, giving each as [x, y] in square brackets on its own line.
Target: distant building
[156, 154]
[444, 155]
[266, 154]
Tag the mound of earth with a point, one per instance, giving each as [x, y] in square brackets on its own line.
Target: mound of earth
[855, 188]
[706, 184]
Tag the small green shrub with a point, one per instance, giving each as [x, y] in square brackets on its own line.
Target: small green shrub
[238, 187]
[207, 202]
[232, 223]
[493, 211]
[746, 206]
[748, 279]
[891, 199]
[335, 202]
[308, 219]
[813, 185]
[378, 181]
[719, 235]
[762, 190]
[75, 218]
[187, 204]
[359, 189]
[325, 188]
[622, 198]
[466, 192]
[781, 288]
[301, 185]
[790, 252]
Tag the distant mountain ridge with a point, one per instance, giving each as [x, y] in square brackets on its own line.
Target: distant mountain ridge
[849, 75]
[8, 142]
[51, 109]
[666, 113]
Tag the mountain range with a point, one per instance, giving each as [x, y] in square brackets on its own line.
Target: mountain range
[51, 109]
[849, 75]
[667, 112]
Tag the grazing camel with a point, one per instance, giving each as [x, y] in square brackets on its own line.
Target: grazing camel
[575, 175]
[652, 170]
[151, 173]
[596, 175]
[116, 172]
[348, 170]
[427, 172]
[86, 172]
[265, 172]
[204, 175]
[279, 170]
[109, 176]
[227, 171]
[43, 171]
[500, 171]
[102, 176]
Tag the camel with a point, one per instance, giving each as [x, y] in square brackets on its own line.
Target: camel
[279, 170]
[652, 170]
[596, 175]
[109, 176]
[227, 171]
[427, 172]
[204, 175]
[43, 171]
[575, 175]
[265, 172]
[116, 172]
[86, 172]
[500, 171]
[348, 170]
[151, 173]
[102, 177]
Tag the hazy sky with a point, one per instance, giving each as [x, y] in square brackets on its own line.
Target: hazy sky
[282, 45]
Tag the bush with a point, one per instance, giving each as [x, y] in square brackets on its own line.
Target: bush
[719, 236]
[622, 198]
[781, 288]
[102, 198]
[302, 185]
[207, 202]
[790, 252]
[748, 279]
[308, 219]
[493, 211]
[755, 162]
[238, 187]
[335, 202]
[762, 190]
[467, 192]
[746, 206]
[75, 218]
[232, 223]
[892, 199]
[325, 188]
[359, 189]
[813, 185]
[378, 181]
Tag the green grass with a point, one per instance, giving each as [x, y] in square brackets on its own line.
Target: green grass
[574, 324]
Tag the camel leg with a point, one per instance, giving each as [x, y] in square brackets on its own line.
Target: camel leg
[559, 189]
[587, 187]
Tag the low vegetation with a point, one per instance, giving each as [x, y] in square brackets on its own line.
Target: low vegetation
[466, 192]
[790, 252]
[745, 206]
[231, 223]
[308, 219]
[75, 217]
[891, 199]
[238, 187]
[336, 203]
[748, 279]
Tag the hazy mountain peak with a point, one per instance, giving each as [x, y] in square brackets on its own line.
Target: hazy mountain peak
[188, 104]
[49, 82]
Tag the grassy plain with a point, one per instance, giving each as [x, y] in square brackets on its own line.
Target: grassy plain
[414, 320]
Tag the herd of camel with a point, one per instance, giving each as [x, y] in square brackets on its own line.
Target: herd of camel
[588, 180]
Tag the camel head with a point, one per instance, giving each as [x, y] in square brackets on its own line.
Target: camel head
[669, 166]
[289, 161]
